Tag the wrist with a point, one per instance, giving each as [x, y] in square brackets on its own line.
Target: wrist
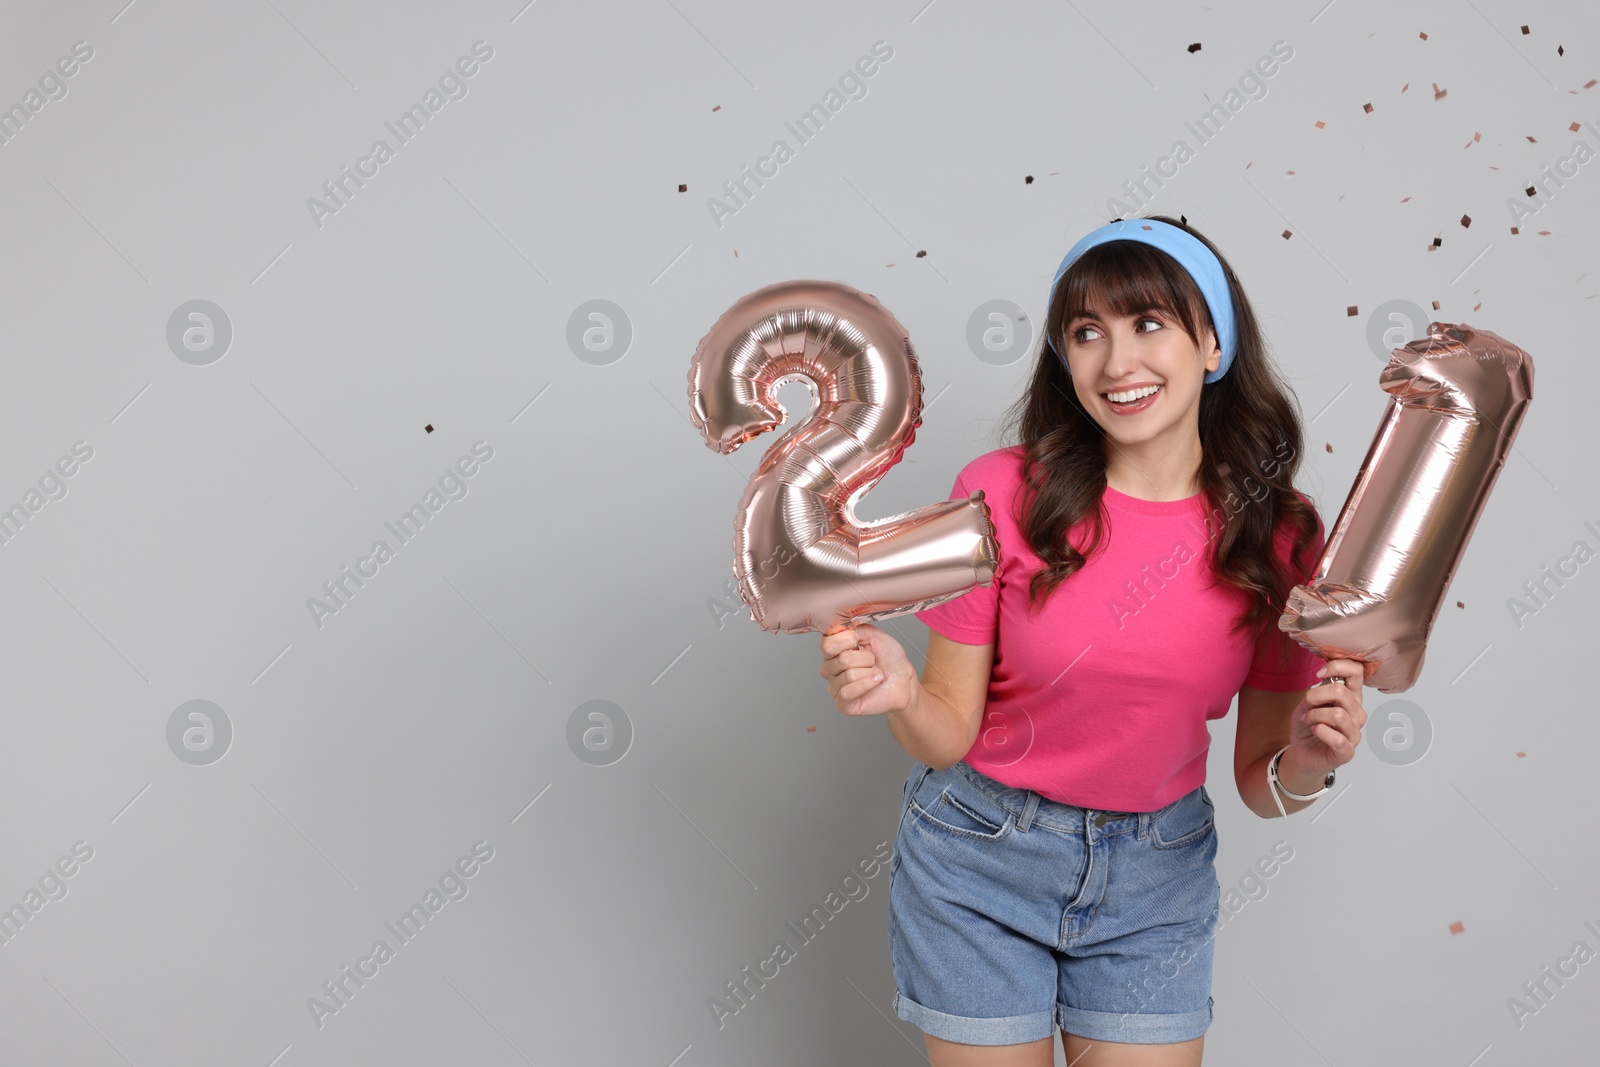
[1297, 779]
[913, 703]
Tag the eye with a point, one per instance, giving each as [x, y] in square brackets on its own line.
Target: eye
[1159, 325]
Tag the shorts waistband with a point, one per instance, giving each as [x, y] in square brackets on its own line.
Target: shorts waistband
[1026, 805]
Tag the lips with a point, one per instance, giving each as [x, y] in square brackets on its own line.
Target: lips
[1133, 406]
[1135, 387]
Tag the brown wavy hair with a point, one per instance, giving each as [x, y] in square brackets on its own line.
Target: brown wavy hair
[1250, 436]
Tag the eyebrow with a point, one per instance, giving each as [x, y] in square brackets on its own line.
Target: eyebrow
[1085, 313]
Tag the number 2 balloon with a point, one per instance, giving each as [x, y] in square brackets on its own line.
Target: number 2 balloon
[802, 561]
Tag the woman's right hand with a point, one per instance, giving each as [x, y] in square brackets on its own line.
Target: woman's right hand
[868, 672]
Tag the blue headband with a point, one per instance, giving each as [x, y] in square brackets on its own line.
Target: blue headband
[1192, 255]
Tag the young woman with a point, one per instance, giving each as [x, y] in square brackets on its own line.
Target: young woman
[1054, 865]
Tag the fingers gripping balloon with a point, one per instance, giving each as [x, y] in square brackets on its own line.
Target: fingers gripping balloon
[802, 561]
[1456, 400]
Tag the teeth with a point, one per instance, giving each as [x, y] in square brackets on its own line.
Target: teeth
[1134, 394]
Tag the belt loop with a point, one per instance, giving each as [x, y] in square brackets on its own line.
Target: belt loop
[1028, 809]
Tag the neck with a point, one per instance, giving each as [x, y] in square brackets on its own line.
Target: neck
[1154, 470]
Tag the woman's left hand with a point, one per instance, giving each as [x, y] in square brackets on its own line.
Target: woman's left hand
[1326, 726]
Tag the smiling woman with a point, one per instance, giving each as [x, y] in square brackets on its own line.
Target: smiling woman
[1154, 469]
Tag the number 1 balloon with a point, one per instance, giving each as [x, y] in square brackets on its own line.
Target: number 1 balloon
[1456, 400]
[802, 561]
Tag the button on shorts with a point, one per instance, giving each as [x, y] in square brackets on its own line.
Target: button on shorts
[1012, 915]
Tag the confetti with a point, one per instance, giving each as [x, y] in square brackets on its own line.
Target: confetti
[1574, 127]
[922, 253]
[1459, 604]
[1544, 233]
[1404, 87]
[1437, 241]
[1436, 305]
[1028, 180]
[811, 729]
[1520, 755]
[1561, 49]
[1367, 108]
[717, 108]
[1514, 231]
[1320, 124]
[1590, 84]
[1250, 164]
[1530, 139]
[1423, 36]
[1329, 448]
[1351, 311]
[1524, 31]
[1194, 48]
[682, 188]
[1285, 235]
[1438, 93]
[429, 427]
[1403, 199]
[1289, 172]
[1476, 306]
[1456, 927]
[1466, 220]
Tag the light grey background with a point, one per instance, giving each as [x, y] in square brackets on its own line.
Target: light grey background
[433, 711]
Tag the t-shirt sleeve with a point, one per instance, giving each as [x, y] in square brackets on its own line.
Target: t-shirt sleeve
[1267, 671]
[973, 617]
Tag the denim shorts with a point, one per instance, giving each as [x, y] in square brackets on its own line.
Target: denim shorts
[1012, 915]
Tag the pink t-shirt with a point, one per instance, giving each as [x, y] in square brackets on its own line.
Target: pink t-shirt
[1103, 697]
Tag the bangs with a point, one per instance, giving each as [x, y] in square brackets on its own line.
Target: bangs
[1128, 277]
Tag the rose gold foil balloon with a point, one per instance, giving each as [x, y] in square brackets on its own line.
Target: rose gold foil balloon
[802, 561]
[1457, 398]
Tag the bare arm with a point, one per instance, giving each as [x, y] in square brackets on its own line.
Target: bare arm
[939, 724]
[1263, 729]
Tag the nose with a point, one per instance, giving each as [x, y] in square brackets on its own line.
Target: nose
[1120, 355]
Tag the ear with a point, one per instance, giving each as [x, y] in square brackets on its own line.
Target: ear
[1214, 356]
